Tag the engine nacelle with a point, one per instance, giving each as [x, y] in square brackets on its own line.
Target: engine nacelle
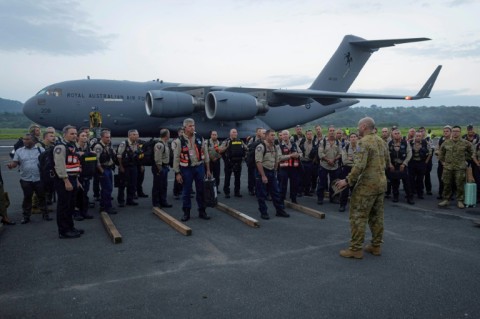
[160, 103]
[230, 106]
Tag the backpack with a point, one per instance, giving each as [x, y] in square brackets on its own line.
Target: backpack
[46, 165]
[251, 151]
[148, 149]
[106, 155]
[89, 164]
[16, 146]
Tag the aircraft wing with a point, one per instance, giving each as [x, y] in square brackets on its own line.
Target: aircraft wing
[318, 94]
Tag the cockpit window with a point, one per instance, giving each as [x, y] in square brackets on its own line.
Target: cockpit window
[50, 91]
[54, 92]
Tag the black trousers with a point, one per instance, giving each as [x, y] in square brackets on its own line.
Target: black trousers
[65, 204]
[395, 178]
[416, 173]
[236, 169]
[128, 179]
[215, 169]
[29, 188]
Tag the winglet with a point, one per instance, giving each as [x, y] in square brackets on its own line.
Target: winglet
[427, 87]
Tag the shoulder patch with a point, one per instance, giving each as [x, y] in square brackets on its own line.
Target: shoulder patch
[259, 148]
[58, 150]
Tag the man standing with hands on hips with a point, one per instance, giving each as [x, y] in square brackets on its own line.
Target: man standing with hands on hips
[368, 180]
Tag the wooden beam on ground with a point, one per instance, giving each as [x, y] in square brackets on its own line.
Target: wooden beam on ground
[238, 215]
[306, 210]
[110, 228]
[174, 223]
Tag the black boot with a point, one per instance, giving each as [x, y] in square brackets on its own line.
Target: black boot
[203, 214]
[186, 214]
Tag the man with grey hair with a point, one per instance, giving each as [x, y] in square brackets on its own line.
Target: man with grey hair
[190, 159]
[367, 178]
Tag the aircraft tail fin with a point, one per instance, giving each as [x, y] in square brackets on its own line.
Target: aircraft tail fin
[348, 60]
[427, 87]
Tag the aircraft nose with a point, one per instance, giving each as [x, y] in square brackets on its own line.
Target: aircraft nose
[29, 108]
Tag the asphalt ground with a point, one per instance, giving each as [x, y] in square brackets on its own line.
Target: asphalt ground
[286, 268]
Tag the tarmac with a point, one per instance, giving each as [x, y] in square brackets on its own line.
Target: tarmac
[286, 268]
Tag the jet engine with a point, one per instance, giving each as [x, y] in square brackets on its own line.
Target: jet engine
[160, 103]
[230, 106]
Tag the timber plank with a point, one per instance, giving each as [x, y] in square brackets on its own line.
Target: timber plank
[172, 222]
[306, 210]
[110, 228]
[238, 215]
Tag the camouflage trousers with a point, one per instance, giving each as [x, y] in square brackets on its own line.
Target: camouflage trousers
[363, 209]
[456, 177]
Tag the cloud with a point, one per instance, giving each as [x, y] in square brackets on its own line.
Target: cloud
[49, 26]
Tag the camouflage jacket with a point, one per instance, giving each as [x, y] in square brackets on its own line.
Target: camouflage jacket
[368, 172]
[454, 154]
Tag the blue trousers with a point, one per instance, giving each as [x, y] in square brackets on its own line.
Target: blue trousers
[323, 181]
[189, 175]
[273, 190]
[106, 185]
[286, 174]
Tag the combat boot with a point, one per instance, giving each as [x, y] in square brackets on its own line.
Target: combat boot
[203, 214]
[374, 250]
[460, 204]
[348, 253]
[444, 203]
[186, 214]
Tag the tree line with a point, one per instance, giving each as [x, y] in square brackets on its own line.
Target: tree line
[398, 116]
[405, 116]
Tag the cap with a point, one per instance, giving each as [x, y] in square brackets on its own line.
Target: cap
[469, 127]
[448, 126]
[298, 126]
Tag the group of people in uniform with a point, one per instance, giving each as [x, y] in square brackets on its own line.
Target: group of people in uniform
[359, 165]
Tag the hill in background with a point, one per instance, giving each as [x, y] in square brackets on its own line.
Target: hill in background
[12, 116]
[10, 106]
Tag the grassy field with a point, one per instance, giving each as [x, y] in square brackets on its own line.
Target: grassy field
[11, 133]
[437, 131]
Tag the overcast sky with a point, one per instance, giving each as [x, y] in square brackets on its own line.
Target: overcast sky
[261, 43]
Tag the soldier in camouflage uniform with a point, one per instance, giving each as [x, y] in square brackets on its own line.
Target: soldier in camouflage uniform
[454, 154]
[368, 180]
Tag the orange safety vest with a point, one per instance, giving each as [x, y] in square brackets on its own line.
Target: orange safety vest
[73, 166]
[292, 162]
[184, 151]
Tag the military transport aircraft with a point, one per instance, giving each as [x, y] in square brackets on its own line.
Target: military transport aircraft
[149, 106]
